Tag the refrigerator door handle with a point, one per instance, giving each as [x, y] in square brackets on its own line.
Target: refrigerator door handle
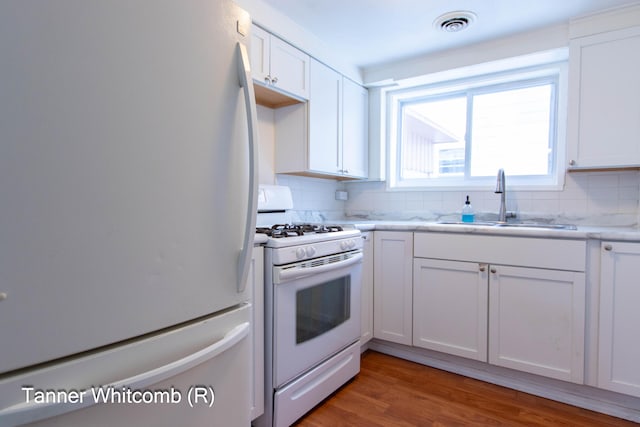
[30, 412]
[244, 73]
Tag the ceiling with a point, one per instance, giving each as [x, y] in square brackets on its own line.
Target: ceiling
[373, 32]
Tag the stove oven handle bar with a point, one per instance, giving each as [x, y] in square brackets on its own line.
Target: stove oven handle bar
[299, 271]
[244, 73]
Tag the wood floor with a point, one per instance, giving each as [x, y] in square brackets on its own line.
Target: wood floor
[395, 392]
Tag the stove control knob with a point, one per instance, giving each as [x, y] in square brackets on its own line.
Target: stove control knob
[344, 245]
[311, 251]
[300, 253]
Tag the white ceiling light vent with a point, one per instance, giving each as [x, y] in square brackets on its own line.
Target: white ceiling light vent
[453, 22]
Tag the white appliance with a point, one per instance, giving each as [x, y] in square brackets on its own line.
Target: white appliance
[127, 212]
[312, 313]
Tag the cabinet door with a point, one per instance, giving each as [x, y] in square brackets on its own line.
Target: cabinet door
[366, 292]
[392, 286]
[260, 48]
[256, 286]
[450, 300]
[324, 119]
[289, 68]
[619, 346]
[604, 122]
[355, 129]
[536, 321]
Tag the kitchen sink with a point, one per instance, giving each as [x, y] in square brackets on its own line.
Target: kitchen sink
[514, 224]
[486, 223]
[537, 225]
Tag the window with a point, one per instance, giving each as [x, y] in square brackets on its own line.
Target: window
[458, 134]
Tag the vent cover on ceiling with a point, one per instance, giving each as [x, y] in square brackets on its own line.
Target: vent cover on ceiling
[454, 21]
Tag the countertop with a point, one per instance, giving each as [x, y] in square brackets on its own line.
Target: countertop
[631, 234]
[260, 239]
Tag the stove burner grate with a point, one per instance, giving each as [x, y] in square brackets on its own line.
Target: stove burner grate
[293, 230]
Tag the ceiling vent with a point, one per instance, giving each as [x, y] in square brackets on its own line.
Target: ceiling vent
[454, 21]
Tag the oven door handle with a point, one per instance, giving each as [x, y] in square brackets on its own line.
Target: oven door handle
[298, 273]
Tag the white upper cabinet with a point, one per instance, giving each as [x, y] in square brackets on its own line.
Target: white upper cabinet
[338, 137]
[278, 65]
[325, 124]
[355, 129]
[328, 136]
[604, 100]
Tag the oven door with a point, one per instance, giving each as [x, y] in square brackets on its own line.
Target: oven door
[316, 312]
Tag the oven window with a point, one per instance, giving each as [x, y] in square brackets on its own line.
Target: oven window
[322, 307]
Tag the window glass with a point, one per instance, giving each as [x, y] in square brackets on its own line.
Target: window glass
[512, 128]
[461, 133]
[322, 307]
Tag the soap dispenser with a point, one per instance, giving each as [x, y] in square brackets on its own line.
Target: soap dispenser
[467, 211]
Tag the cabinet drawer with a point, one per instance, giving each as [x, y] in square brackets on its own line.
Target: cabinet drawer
[522, 251]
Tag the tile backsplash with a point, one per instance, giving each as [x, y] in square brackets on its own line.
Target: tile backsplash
[589, 198]
[314, 198]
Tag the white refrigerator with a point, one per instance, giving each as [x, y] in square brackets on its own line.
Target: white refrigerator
[127, 212]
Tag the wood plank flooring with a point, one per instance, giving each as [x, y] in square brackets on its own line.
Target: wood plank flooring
[395, 392]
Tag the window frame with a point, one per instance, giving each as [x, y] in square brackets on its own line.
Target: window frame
[554, 72]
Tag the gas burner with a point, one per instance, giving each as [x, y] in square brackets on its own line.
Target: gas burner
[294, 230]
[328, 228]
[319, 228]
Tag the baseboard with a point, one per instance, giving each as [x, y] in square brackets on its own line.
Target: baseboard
[591, 398]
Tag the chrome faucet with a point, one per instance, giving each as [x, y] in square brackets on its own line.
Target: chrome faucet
[502, 190]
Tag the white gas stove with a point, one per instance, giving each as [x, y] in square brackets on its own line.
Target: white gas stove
[312, 308]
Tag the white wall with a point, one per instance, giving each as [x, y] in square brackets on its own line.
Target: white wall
[517, 45]
[313, 198]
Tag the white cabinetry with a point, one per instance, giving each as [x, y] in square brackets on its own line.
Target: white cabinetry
[536, 321]
[604, 99]
[366, 291]
[328, 136]
[338, 127]
[450, 307]
[393, 284]
[278, 65]
[325, 119]
[619, 346]
[255, 284]
[355, 129]
[536, 312]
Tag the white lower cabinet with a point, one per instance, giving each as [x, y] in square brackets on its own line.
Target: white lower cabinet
[255, 282]
[450, 307]
[393, 286]
[366, 291]
[619, 346]
[536, 321]
[528, 315]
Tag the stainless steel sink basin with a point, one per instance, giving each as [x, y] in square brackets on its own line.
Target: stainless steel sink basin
[486, 223]
[514, 224]
[538, 225]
